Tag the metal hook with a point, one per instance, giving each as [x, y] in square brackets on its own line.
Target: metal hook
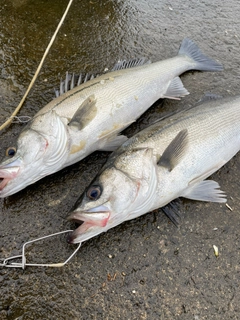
[23, 264]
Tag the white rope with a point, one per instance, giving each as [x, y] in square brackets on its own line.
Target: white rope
[6, 123]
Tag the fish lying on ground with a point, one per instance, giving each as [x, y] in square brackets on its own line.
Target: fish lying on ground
[170, 159]
[90, 116]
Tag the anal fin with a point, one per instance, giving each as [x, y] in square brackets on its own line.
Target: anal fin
[176, 89]
[206, 190]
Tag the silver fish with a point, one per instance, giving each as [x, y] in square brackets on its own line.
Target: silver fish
[170, 159]
[90, 116]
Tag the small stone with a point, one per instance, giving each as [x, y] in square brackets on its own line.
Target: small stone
[215, 248]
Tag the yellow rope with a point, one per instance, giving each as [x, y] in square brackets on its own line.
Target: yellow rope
[6, 123]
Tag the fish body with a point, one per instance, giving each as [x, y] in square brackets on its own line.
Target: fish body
[169, 159]
[90, 116]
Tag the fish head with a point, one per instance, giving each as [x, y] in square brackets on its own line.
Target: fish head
[122, 191]
[40, 150]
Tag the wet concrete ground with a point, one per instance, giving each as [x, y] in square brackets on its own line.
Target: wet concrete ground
[145, 268]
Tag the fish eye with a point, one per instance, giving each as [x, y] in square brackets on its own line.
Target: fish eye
[10, 152]
[94, 192]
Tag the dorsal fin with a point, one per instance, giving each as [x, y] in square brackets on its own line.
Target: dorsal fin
[84, 114]
[125, 64]
[73, 80]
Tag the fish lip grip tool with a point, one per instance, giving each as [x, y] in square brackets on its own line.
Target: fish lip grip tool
[10, 263]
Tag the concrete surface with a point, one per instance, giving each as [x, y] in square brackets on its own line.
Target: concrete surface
[145, 268]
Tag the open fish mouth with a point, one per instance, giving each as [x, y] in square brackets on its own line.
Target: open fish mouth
[88, 219]
[6, 175]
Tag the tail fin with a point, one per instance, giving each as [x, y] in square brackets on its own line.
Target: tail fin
[203, 63]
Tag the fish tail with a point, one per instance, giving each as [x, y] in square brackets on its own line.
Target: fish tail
[202, 62]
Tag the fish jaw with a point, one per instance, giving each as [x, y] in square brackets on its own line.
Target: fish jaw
[95, 221]
[6, 175]
[8, 172]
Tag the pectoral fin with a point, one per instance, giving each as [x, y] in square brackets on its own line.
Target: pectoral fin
[113, 143]
[176, 90]
[207, 190]
[175, 151]
[85, 113]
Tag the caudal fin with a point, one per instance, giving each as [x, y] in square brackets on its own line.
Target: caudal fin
[203, 63]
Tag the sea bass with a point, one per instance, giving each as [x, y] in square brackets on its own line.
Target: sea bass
[169, 159]
[90, 116]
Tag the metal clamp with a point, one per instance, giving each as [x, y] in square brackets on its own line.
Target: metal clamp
[23, 264]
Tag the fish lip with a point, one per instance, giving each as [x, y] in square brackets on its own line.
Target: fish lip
[7, 174]
[97, 220]
[8, 171]
[73, 237]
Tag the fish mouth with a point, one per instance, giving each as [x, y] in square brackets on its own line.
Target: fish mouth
[7, 174]
[91, 222]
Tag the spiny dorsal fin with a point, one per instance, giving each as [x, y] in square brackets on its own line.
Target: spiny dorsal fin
[73, 80]
[125, 64]
[175, 151]
[85, 113]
